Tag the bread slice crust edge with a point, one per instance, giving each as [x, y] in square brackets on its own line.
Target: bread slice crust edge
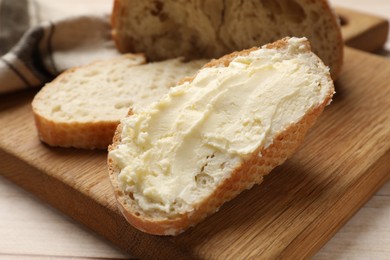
[72, 133]
[250, 172]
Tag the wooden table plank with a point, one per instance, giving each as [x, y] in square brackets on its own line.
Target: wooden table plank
[30, 228]
[366, 235]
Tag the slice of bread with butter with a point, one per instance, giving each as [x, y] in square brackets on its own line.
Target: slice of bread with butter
[216, 134]
[82, 107]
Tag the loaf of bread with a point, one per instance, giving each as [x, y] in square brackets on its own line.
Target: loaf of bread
[216, 134]
[82, 107]
[210, 29]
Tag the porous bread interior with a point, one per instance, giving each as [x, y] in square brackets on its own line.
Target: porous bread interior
[166, 29]
[82, 107]
[104, 91]
[249, 172]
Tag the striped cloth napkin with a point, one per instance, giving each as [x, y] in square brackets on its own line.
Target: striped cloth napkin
[39, 40]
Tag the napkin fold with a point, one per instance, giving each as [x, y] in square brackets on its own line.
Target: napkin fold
[34, 50]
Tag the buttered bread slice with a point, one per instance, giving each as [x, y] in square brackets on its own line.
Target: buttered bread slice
[82, 107]
[216, 134]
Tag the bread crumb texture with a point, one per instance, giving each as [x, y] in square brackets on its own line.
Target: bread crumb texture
[95, 97]
[210, 29]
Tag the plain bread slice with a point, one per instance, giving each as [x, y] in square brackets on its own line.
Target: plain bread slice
[82, 107]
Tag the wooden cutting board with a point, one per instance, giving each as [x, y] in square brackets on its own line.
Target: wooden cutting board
[301, 204]
[362, 31]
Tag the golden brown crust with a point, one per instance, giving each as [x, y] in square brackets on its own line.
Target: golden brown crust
[251, 171]
[88, 135]
[339, 52]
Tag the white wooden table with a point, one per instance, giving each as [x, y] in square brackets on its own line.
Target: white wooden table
[30, 229]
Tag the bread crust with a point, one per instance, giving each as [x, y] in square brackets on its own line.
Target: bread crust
[338, 52]
[117, 7]
[250, 172]
[89, 135]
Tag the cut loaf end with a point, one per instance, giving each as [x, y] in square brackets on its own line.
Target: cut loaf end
[216, 134]
[210, 29]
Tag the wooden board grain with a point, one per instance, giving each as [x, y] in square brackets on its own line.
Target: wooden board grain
[343, 161]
